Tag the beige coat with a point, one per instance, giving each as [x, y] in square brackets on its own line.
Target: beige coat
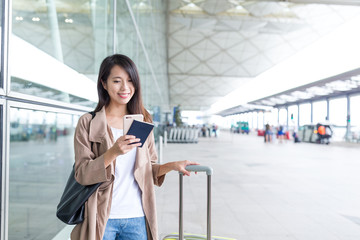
[90, 169]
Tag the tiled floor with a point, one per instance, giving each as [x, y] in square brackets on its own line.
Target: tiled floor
[266, 191]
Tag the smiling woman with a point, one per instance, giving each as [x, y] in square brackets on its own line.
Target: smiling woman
[126, 169]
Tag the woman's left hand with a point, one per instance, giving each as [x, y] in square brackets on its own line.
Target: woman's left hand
[180, 166]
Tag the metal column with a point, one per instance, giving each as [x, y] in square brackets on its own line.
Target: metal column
[348, 119]
[311, 112]
[54, 26]
[298, 120]
[287, 117]
[263, 118]
[327, 110]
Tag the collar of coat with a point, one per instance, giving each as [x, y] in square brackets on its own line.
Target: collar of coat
[99, 128]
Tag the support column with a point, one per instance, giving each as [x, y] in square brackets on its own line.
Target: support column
[311, 112]
[257, 122]
[348, 119]
[54, 27]
[263, 119]
[278, 120]
[327, 110]
[287, 117]
[298, 120]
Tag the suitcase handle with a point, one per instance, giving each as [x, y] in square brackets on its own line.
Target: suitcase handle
[199, 168]
[195, 168]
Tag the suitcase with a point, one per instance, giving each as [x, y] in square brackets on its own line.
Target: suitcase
[181, 235]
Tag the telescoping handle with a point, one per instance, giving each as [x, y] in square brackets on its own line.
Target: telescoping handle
[209, 172]
[199, 168]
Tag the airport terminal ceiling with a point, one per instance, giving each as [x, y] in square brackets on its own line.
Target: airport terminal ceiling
[216, 46]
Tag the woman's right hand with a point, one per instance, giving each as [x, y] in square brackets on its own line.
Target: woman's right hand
[125, 144]
[121, 146]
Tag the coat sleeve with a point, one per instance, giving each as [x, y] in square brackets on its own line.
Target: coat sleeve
[158, 181]
[88, 169]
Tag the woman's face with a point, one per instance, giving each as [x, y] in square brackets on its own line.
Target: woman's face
[119, 86]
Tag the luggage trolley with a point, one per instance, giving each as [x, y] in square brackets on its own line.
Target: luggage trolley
[181, 235]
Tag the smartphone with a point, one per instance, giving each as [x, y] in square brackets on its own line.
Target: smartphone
[128, 119]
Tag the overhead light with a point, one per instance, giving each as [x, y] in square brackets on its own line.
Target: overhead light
[142, 6]
[191, 7]
[356, 78]
[277, 100]
[35, 19]
[69, 20]
[342, 86]
[288, 98]
[302, 95]
[267, 102]
[320, 91]
[19, 18]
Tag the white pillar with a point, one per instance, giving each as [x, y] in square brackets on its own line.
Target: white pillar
[160, 149]
[54, 27]
[165, 138]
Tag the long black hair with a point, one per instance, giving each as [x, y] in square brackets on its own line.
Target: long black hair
[135, 105]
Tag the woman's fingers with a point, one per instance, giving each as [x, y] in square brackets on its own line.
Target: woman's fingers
[192, 163]
[126, 143]
[185, 163]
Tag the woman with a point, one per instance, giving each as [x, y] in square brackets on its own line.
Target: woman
[123, 207]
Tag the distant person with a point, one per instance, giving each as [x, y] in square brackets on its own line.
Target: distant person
[203, 130]
[214, 129]
[268, 133]
[281, 134]
[123, 207]
[296, 137]
[321, 133]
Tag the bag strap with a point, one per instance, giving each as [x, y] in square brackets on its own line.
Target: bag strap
[93, 113]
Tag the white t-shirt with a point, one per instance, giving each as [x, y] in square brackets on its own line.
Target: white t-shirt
[126, 197]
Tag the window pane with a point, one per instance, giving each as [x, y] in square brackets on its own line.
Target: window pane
[41, 158]
[305, 113]
[338, 111]
[150, 17]
[355, 111]
[293, 117]
[319, 111]
[57, 48]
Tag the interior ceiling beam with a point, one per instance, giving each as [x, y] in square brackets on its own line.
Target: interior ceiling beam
[335, 2]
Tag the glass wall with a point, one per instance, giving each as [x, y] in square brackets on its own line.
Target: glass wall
[319, 112]
[337, 117]
[55, 51]
[56, 47]
[305, 113]
[282, 116]
[41, 158]
[355, 118]
[148, 49]
[72, 38]
[293, 117]
[338, 111]
[354, 110]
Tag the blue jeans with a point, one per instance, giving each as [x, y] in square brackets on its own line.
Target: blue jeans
[127, 229]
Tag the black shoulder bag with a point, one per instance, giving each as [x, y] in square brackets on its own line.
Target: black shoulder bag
[71, 207]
